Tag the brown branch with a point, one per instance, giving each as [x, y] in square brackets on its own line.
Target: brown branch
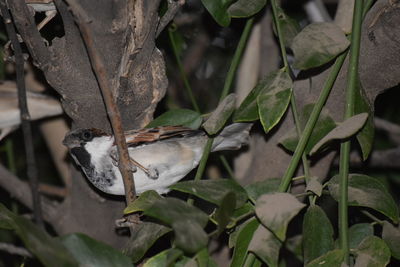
[32, 171]
[173, 8]
[10, 248]
[52, 190]
[20, 191]
[25, 23]
[111, 107]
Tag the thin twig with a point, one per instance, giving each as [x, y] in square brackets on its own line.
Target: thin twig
[111, 107]
[32, 172]
[10, 248]
[173, 8]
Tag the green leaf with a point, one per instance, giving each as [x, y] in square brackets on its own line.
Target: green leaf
[366, 191]
[50, 251]
[333, 258]
[204, 259]
[213, 190]
[266, 246]
[143, 202]
[317, 44]
[275, 210]
[272, 107]
[90, 252]
[391, 235]
[365, 137]
[358, 232]
[246, 8]
[317, 233]
[323, 126]
[242, 242]
[164, 258]
[144, 235]
[295, 245]
[314, 185]
[189, 235]
[225, 211]
[289, 27]
[256, 189]
[248, 110]
[170, 210]
[273, 100]
[220, 115]
[372, 252]
[178, 117]
[344, 130]
[218, 10]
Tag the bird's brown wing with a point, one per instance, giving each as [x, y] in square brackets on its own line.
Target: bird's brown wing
[149, 135]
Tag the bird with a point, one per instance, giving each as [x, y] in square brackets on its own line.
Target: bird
[160, 156]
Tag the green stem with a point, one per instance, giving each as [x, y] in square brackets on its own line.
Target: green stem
[372, 217]
[280, 35]
[228, 168]
[203, 163]
[367, 6]
[236, 58]
[10, 156]
[311, 123]
[250, 258]
[188, 88]
[351, 88]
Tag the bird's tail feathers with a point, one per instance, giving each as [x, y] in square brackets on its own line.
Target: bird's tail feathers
[232, 137]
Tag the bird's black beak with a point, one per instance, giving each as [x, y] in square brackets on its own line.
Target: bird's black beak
[71, 141]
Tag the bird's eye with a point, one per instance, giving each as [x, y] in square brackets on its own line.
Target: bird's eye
[86, 135]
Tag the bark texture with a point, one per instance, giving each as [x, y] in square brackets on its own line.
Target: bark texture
[125, 33]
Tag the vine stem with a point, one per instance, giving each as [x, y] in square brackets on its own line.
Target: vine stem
[293, 106]
[351, 88]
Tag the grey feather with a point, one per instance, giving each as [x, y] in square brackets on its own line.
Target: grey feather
[232, 137]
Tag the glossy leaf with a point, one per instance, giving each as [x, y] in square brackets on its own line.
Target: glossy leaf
[220, 115]
[266, 246]
[272, 107]
[256, 189]
[372, 252]
[144, 201]
[50, 251]
[90, 252]
[275, 211]
[391, 235]
[170, 210]
[218, 10]
[358, 232]
[189, 235]
[243, 239]
[333, 258]
[314, 185]
[289, 27]
[317, 233]
[323, 126]
[273, 100]
[317, 44]
[344, 130]
[144, 235]
[246, 8]
[225, 211]
[366, 191]
[213, 190]
[178, 117]
[365, 136]
[164, 258]
[248, 109]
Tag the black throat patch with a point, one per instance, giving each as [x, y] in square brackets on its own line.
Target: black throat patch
[82, 156]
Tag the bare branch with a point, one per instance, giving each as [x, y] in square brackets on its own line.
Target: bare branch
[112, 109]
[20, 190]
[32, 171]
[173, 8]
[10, 248]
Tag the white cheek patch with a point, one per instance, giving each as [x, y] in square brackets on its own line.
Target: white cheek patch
[98, 148]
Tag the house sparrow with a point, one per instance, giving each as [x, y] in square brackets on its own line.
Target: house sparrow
[163, 155]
